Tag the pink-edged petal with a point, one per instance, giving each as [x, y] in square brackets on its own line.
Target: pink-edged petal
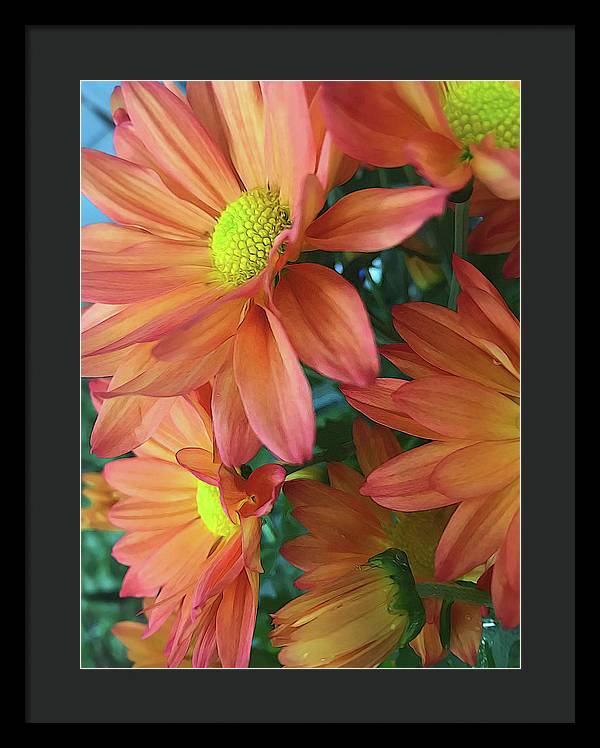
[242, 110]
[506, 577]
[409, 362]
[369, 121]
[110, 237]
[263, 486]
[376, 403]
[440, 337]
[125, 423]
[327, 324]
[403, 482]
[425, 98]
[201, 97]
[151, 479]
[290, 145]
[437, 158]
[236, 441]
[475, 532]
[136, 196]
[180, 144]
[459, 409]
[167, 379]
[131, 286]
[200, 338]
[374, 445]
[498, 168]
[200, 463]
[274, 391]
[477, 470]
[150, 319]
[374, 219]
[236, 617]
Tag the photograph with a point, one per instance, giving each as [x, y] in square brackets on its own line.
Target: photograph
[300, 365]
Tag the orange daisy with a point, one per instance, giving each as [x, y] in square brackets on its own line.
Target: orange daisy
[450, 131]
[464, 397]
[192, 536]
[213, 195]
[348, 618]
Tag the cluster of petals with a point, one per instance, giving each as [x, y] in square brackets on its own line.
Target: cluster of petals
[344, 619]
[203, 581]
[464, 398]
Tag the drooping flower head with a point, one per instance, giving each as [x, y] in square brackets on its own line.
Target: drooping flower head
[213, 194]
[357, 609]
[192, 536]
[450, 131]
[464, 397]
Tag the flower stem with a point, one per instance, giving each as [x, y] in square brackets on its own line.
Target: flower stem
[461, 233]
[454, 592]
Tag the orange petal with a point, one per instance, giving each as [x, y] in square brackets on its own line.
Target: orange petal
[425, 98]
[370, 121]
[197, 339]
[290, 145]
[109, 237]
[199, 462]
[498, 168]
[427, 644]
[180, 144]
[437, 158]
[129, 147]
[167, 379]
[134, 195]
[150, 319]
[407, 361]
[263, 486]
[202, 99]
[376, 403]
[475, 532]
[477, 470]
[403, 482]
[374, 219]
[236, 617]
[438, 336]
[465, 635]
[236, 441]
[506, 578]
[327, 324]
[344, 478]
[459, 409]
[242, 111]
[274, 391]
[374, 445]
[151, 479]
[125, 423]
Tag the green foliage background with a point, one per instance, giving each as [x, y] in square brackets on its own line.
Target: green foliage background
[383, 280]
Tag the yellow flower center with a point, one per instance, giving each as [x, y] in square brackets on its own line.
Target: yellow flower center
[210, 510]
[418, 533]
[476, 108]
[245, 232]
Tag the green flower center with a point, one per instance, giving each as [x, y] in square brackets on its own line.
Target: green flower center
[476, 108]
[245, 232]
[210, 510]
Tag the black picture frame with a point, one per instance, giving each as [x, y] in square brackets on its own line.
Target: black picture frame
[57, 58]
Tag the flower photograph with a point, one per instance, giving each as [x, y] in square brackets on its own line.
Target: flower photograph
[300, 374]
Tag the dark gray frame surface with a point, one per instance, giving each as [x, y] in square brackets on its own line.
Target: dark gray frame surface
[58, 57]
